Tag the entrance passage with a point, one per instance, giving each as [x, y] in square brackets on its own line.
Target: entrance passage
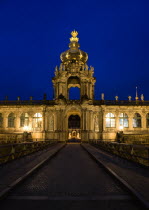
[74, 122]
[74, 127]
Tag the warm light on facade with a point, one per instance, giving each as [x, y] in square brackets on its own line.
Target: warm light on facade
[26, 128]
[121, 127]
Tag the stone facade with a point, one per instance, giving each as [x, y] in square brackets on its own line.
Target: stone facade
[62, 119]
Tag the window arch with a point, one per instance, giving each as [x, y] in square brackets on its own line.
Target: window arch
[24, 120]
[11, 119]
[137, 120]
[1, 120]
[147, 120]
[37, 120]
[123, 120]
[110, 120]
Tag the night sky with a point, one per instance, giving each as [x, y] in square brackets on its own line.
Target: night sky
[114, 33]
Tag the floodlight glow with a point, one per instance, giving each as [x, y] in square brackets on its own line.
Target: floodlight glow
[26, 128]
[121, 127]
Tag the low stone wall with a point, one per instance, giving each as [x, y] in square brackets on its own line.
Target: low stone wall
[136, 153]
[13, 151]
[136, 138]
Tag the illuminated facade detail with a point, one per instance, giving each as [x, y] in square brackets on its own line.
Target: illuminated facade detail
[24, 120]
[137, 120]
[11, 120]
[96, 123]
[123, 120]
[1, 120]
[147, 120]
[37, 121]
[83, 119]
[51, 123]
[110, 120]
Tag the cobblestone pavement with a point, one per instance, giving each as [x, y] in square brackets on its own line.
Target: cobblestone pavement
[11, 171]
[71, 180]
[134, 174]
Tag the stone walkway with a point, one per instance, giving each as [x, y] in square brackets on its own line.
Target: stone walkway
[11, 171]
[133, 174]
[70, 181]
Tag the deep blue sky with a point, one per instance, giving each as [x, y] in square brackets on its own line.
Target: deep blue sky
[115, 34]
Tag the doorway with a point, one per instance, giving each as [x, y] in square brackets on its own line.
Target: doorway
[74, 127]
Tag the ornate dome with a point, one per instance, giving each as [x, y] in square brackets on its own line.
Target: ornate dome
[74, 54]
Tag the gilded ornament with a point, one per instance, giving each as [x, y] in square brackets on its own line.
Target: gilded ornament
[74, 37]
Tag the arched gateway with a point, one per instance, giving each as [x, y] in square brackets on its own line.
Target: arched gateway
[73, 72]
[74, 127]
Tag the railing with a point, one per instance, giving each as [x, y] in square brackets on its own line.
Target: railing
[120, 102]
[52, 102]
[27, 102]
[10, 152]
[136, 153]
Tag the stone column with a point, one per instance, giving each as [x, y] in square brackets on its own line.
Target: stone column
[117, 121]
[104, 120]
[43, 120]
[82, 119]
[143, 121]
[17, 121]
[85, 119]
[5, 120]
[92, 121]
[30, 123]
[130, 120]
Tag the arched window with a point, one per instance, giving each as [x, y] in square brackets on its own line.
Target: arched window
[1, 120]
[24, 120]
[147, 120]
[110, 120]
[123, 120]
[74, 93]
[137, 120]
[73, 88]
[37, 120]
[11, 119]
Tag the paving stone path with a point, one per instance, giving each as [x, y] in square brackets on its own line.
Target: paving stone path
[71, 180]
[134, 174]
[11, 171]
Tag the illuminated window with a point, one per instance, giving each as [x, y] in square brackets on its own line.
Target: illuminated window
[123, 120]
[1, 120]
[110, 120]
[147, 120]
[137, 120]
[24, 120]
[11, 119]
[37, 120]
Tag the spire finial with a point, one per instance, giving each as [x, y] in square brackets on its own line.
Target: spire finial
[74, 37]
[136, 94]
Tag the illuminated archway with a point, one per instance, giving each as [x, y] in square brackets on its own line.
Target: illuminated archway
[74, 125]
[73, 88]
[74, 93]
[74, 122]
